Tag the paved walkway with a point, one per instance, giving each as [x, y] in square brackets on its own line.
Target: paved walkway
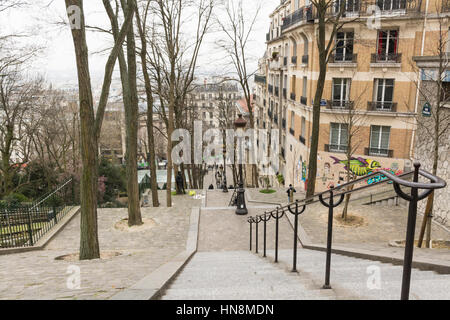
[37, 275]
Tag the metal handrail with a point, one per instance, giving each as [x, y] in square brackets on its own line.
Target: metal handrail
[326, 198]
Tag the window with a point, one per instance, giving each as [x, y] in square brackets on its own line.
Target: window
[341, 91]
[384, 92]
[292, 119]
[305, 85]
[210, 115]
[350, 5]
[338, 137]
[344, 46]
[387, 45]
[388, 5]
[379, 140]
[303, 127]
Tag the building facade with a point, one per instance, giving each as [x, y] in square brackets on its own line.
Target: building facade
[370, 74]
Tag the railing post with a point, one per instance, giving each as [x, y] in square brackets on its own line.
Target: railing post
[30, 227]
[330, 205]
[329, 242]
[276, 237]
[256, 231]
[250, 222]
[296, 213]
[410, 229]
[265, 236]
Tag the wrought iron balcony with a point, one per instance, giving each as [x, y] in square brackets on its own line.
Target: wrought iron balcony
[302, 139]
[293, 96]
[341, 148]
[294, 60]
[339, 105]
[260, 79]
[303, 14]
[382, 106]
[305, 59]
[378, 152]
[343, 58]
[304, 100]
[386, 58]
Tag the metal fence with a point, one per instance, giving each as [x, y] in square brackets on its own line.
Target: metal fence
[22, 225]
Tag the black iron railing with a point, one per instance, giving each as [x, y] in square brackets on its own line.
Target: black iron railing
[334, 197]
[22, 225]
[304, 100]
[303, 14]
[302, 139]
[335, 148]
[382, 106]
[378, 152]
[260, 79]
[305, 59]
[343, 58]
[386, 58]
[339, 104]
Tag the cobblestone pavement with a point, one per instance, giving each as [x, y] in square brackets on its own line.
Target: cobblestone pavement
[37, 275]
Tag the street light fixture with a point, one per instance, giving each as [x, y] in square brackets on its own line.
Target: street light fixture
[241, 209]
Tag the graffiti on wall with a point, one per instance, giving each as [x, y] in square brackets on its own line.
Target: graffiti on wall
[361, 167]
[358, 166]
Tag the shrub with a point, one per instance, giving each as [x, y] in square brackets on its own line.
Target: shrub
[15, 198]
[267, 191]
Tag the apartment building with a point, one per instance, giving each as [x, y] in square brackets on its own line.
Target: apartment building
[205, 99]
[370, 71]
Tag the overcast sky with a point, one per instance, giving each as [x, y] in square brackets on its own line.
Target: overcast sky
[57, 61]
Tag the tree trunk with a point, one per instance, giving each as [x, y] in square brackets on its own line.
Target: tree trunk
[89, 246]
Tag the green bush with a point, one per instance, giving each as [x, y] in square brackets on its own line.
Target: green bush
[15, 198]
[115, 179]
[280, 178]
[267, 191]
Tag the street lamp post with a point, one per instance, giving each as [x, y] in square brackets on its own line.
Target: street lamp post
[241, 209]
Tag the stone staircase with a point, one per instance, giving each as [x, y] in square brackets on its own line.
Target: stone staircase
[242, 275]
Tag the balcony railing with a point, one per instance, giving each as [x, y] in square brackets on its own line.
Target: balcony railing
[337, 104]
[293, 96]
[304, 100]
[343, 58]
[301, 15]
[292, 131]
[305, 59]
[336, 148]
[302, 139]
[386, 58]
[379, 152]
[270, 88]
[260, 79]
[294, 60]
[382, 106]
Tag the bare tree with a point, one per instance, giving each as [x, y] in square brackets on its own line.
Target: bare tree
[238, 28]
[328, 15]
[91, 123]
